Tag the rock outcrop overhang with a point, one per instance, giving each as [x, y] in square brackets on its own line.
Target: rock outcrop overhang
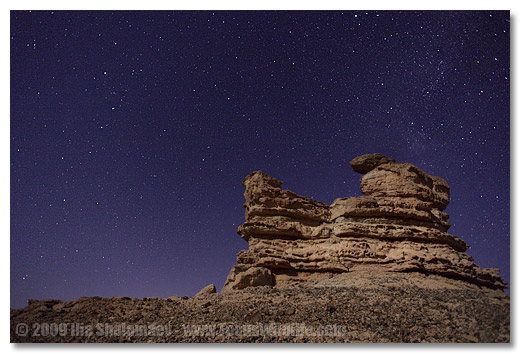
[397, 226]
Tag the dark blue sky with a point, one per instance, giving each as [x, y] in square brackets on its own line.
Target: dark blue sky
[131, 133]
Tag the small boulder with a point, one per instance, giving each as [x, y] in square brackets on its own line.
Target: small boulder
[209, 289]
[253, 277]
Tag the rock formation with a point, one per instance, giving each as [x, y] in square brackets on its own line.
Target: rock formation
[380, 267]
[397, 226]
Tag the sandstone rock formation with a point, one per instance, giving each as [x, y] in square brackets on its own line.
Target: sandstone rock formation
[397, 226]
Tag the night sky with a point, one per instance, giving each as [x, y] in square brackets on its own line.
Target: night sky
[131, 133]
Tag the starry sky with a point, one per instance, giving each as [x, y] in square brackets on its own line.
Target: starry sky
[131, 132]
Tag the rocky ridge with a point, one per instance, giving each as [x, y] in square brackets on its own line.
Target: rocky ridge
[385, 307]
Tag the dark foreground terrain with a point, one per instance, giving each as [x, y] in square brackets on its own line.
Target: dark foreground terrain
[385, 308]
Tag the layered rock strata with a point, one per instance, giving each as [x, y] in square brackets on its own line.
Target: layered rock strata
[397, 226]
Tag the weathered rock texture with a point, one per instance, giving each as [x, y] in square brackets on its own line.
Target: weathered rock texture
[397, 226]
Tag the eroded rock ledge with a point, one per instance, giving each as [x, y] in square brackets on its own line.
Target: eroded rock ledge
[397, 226]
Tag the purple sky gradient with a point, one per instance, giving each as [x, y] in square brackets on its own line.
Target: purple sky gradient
[131, 133]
